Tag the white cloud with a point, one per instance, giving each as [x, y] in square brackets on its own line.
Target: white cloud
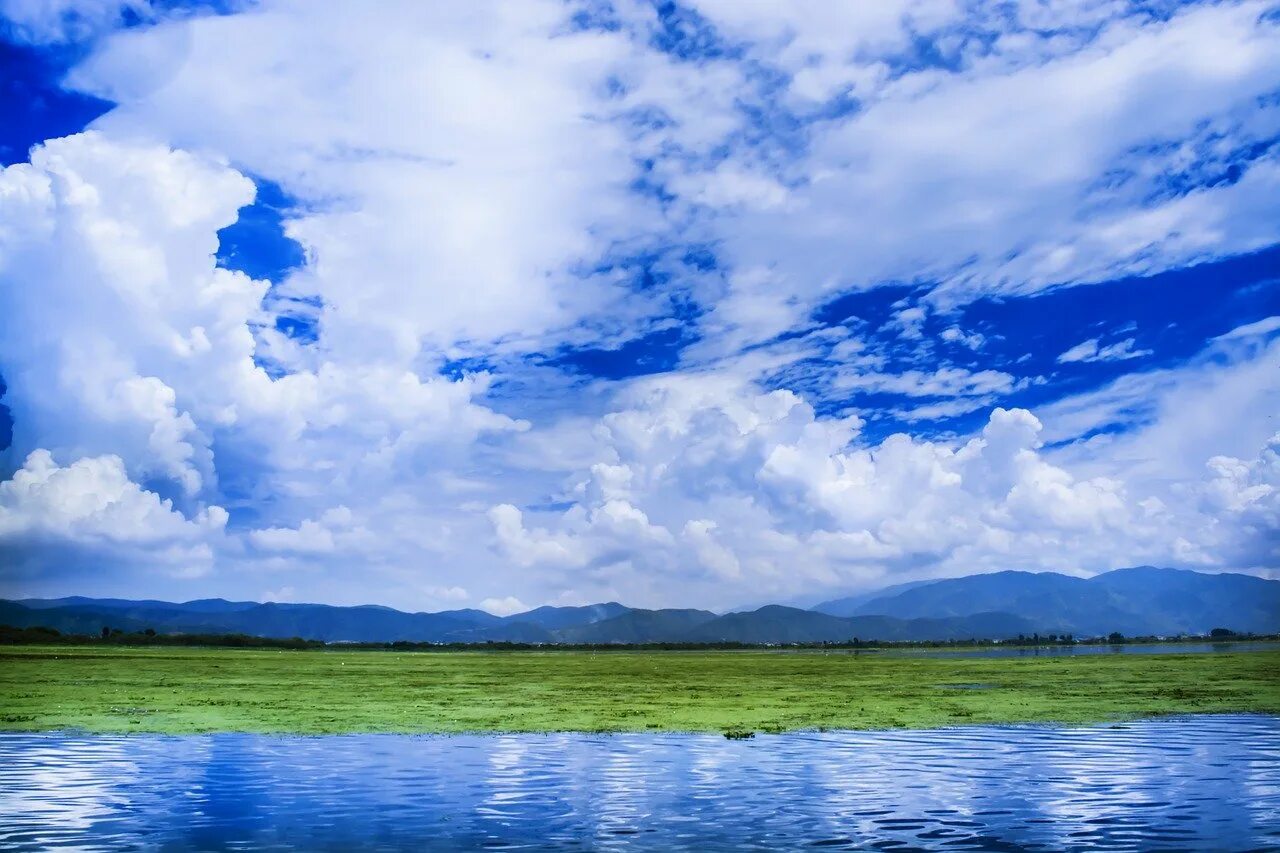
[284, 593]
[1158, 427]
[459, 174]
[311, 536]
[452, 594]
[945, 409]
[57, 21]
[108, 281]
[92, 503]
[1028, 166]
[726, 487]
[732, 489]
[503, 606]
[125, 339]
[995, 177]
[453, 168]
[908, 322]
[943, 382]
[1265, 326]
[956, 335]
[1243, 497]
[1091, 350]
[530, 547]
[92, 498]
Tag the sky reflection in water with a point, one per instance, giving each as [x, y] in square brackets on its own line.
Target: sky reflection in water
[1209, 782]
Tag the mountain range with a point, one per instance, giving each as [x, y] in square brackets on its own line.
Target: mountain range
[1137, 601]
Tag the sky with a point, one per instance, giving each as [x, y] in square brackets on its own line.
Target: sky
[503, 304]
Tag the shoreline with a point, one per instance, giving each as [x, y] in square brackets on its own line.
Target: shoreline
[665, 733]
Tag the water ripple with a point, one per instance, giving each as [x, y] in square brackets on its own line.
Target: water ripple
[1195, 783]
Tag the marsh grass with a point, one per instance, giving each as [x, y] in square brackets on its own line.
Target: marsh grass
[187, 690]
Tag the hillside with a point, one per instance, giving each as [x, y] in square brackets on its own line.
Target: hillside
[777, 624]
[1142, 600]
[639, 626]
[1138, 601]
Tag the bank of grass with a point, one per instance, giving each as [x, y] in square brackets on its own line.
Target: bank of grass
[186, 690]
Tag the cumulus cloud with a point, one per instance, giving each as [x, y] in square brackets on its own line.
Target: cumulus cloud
[450, 181]
[447, 593]
[115, 302]
[92, 498]
[125, 338]
[312, 536]
[480, 191]
[505, 606]
[284, 593]
[716, 483]
[707, 479]
[1242, 496]
[92, 503]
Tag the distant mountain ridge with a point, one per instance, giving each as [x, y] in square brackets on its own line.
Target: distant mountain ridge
[1141, 600]
[1000, 605]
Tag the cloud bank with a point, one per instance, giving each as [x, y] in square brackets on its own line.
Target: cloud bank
[694, 304]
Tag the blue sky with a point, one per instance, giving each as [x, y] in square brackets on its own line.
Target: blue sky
[675, 304]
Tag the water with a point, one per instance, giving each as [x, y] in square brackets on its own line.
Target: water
[1210, 782]
[1075, 651]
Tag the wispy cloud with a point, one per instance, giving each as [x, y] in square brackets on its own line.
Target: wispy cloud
[1092, 350]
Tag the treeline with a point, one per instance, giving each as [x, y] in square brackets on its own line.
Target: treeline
[48, 636]
[115, 637]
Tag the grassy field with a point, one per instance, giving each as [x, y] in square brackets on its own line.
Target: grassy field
[181, 690]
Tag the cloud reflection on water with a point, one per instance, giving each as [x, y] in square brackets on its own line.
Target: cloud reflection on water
[1192, 782]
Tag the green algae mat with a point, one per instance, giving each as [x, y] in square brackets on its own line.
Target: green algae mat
[187, 690]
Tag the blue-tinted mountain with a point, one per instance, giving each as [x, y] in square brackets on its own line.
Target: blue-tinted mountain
[777, 624]
[848, 605]
[639, 626]
[74, 619]
[502, 632]
[1142, 600]
[203, 605]
[773, 623]
[555, 618]
[368, 623]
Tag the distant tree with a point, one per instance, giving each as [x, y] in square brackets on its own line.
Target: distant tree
[106, 632]
[1115, 638]
[150, 632]
[1218, 633]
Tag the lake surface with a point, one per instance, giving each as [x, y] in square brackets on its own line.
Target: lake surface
[1081, 650]
[1199, 783]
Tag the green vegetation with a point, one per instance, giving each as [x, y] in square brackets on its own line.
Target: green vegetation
[180, 690]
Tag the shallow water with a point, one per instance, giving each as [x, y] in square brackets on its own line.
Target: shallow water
[1210, 782]
[1075, 651]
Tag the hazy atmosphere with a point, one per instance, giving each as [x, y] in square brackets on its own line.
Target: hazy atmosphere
[702, 305]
